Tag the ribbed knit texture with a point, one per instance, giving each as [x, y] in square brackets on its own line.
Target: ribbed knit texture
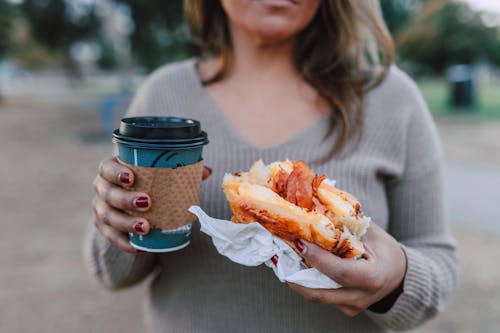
[395, 170]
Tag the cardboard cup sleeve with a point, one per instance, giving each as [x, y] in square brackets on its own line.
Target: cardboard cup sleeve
[172, 192]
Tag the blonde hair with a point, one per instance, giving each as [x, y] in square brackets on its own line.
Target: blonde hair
[345, 51]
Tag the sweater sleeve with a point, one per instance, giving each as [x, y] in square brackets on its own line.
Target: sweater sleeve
[417, 221]
[111, 266]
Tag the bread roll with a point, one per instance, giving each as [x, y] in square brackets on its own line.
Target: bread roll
[292, 202]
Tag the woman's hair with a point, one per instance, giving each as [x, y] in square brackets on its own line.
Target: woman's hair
[344, 51]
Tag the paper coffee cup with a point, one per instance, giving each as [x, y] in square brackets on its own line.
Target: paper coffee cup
[165, 154]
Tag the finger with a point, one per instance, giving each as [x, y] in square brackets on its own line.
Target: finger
[332, 297]
[115, 172]
[349, 311]
[340, 296]
[206, 172]
[347, 272]
[116, 238]
[119, 198]
[371, 232]
[118, 220]
[375, 240]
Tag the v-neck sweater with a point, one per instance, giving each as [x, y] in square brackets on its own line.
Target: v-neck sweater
[395, 169]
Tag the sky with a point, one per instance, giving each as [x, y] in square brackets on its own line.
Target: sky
[485, 5]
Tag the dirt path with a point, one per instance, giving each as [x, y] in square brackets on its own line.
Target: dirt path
[49, 157]
[47, 169]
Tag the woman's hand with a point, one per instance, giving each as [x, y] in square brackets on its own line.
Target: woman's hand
[112, 199]
[365, 282]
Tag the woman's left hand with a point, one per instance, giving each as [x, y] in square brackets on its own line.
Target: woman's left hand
[365, 281]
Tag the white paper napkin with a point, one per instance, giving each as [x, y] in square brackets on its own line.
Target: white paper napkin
[252, 245]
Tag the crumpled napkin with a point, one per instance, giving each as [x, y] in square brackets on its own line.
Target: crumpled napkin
[251, 245]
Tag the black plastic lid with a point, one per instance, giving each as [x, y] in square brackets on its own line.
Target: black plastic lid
[160, 132]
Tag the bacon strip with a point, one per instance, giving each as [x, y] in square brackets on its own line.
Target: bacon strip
[316, 183]
[279, 184]
[304, 191]
[299, 186]
[291, 187]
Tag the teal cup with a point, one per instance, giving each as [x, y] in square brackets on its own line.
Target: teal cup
[160, 142]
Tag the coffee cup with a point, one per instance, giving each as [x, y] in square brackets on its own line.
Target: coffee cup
[165, 154]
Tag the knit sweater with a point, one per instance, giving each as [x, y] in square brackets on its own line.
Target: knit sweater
[395, 170]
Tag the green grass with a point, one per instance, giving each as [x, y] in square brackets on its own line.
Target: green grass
[437, 95]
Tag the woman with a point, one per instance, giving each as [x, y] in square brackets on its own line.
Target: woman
[294, 79]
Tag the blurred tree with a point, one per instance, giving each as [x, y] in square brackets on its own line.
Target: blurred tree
[60, 23]
[159, 34]
[448, 32]
[398, 13]
[108, 58]
[6, 14]
[27, 52]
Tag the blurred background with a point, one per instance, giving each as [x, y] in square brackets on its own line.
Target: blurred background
[68, 69]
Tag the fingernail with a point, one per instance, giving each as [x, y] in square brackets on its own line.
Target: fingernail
[274, 259]
[142, 202]
[300, 246]
[209, 170]
[139, 227]
[140, 251]
[124, 177]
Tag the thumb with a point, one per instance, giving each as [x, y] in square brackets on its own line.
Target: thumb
[344, 271]
[206, 172]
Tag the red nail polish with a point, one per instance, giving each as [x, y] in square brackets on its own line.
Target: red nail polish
[299, 245]
[139, 227]
[274, 259]
[209, 170]
[142, 202]
[124, 177]
[140, 251]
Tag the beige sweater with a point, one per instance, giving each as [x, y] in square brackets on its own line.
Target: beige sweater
[396, 171]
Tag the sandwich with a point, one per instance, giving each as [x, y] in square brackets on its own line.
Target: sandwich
[292, 202]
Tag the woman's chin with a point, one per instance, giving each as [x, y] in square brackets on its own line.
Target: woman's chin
[274, 33]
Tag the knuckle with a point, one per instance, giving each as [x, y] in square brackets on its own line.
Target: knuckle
[94, 205]
[341, 275]
[105, 193]
[349, 312]
[95, 209]
[315, 297]
[96, 223]
[95, 185]
[360, 303]
[375, 283]
[124, 201]
[99, 214]
[312, 256]
[127, 248]
[112, 238]
[104, 217]
[101, 166]
[102, 214]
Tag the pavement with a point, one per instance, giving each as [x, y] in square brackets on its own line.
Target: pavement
[50, 151]
[472, 194]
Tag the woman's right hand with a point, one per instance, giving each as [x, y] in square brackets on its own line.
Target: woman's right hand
[112, 199]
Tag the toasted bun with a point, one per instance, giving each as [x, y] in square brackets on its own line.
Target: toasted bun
[346, 208]
[290, 201]
[251, 202]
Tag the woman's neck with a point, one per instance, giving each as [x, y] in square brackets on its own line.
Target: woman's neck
[256, 58]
